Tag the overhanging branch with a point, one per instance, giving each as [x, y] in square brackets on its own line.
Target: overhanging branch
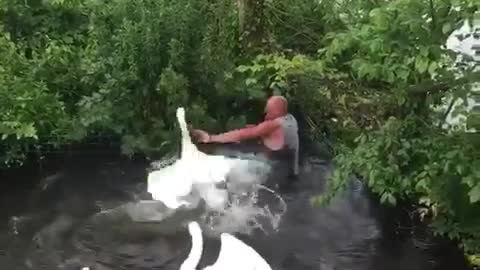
[437, 87]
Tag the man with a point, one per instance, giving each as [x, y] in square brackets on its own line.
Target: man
[278, 133]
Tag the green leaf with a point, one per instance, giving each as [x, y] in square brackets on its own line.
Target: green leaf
[388, 197]
[475, 194]
[421, 185]
[243, 68]
[424, 51]
[383, 198]
[29, 131]
[447, 27]
[391, 199]
[256, 68]
[421, 64]
[432, 68]
[375, 12]
[68, 40]
[459, 168]
[469, 181]
[250, 81]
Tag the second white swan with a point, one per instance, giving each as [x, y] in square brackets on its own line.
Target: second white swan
[234, 254]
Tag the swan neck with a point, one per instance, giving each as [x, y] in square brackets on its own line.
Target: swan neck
[195, 254]
[187, 146]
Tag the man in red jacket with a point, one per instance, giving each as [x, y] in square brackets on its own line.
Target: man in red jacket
[278, 133]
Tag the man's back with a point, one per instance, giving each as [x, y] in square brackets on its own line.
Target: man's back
[290, 130]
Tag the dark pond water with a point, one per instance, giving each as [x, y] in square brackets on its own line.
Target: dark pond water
[50, 219]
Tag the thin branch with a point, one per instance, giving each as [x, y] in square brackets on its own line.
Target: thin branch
[434, 19]
[445, 115]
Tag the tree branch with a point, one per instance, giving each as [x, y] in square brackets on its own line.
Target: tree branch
[445, 115]
[437, 87]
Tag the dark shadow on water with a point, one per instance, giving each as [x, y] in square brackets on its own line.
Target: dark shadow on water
[70, 215]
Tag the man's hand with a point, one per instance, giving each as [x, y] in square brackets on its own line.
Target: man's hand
[201, 136]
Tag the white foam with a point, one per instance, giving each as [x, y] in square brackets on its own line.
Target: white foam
[245, 214]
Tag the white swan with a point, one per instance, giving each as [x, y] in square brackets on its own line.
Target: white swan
[197, 247]
[210, 168]
[173, 184]
[234, 254]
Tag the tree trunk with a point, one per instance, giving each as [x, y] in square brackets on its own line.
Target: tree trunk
[253, 28]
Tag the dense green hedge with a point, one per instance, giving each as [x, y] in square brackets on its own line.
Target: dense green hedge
[367, 73]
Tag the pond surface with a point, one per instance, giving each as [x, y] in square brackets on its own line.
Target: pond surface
[66, 217]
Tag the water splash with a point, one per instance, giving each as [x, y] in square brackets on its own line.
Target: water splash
[247, 212]
[13, 223]
[242, 205]
[228, 186]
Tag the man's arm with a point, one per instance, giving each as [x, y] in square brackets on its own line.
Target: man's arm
[252, 132]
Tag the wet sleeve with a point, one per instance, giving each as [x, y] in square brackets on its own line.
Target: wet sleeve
[257, 131]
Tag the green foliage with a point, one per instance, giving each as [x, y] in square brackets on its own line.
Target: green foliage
[153, 57]
[299, 25]
[29, 110]
[396, 49]
[405, 160]
[118, 67]
[373, 86]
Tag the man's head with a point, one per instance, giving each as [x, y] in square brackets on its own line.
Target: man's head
[277, 106]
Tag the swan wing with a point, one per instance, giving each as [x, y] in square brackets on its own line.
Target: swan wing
[169, 185]
[254, 259]
[217, 168]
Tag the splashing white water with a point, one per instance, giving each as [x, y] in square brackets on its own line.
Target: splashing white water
[194, 177]
[245, 213]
